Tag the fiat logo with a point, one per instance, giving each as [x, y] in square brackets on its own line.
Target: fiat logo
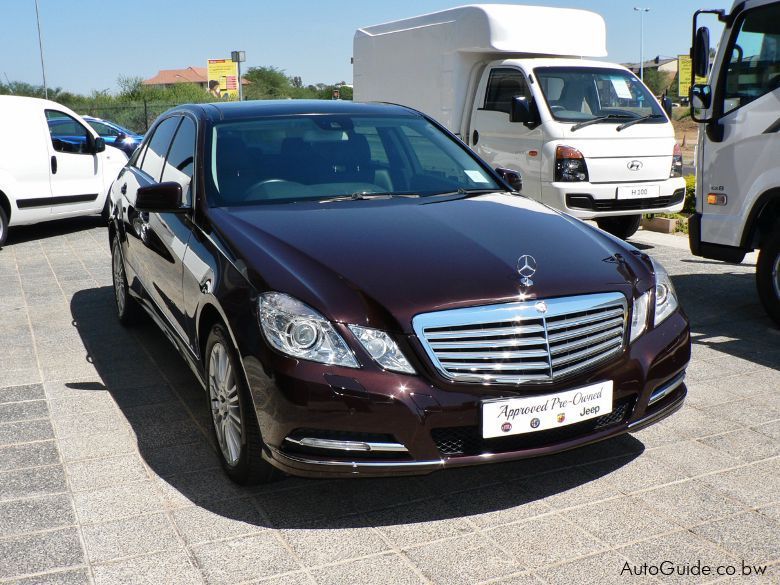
[634, 165]
[526, 268]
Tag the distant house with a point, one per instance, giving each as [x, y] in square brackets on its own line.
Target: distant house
[169, 77]
[663, 65]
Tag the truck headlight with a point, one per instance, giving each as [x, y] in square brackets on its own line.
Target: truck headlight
[570, 165]
[665, 295]
[677, 162]
[299, 331]
[382, 348]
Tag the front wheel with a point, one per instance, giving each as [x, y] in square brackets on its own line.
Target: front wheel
[232, 413]
[623, 226]
[127, 307]
[3, 226]
[768, 275]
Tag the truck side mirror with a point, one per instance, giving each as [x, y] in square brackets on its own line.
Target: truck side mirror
[666, 104]
[520, 110]
[701, 52]
[511, 178]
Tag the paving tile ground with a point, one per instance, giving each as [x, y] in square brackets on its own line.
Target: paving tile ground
[108, 474]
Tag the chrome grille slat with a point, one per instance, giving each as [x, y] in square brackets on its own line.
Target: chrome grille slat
[491, 332]
[513, 343]
[579, 321]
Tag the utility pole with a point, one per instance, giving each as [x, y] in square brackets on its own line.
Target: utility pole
[40, 46]
[641, 12]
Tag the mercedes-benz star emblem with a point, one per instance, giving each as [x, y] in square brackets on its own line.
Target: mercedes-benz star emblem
[541, 307]
[526, 268]
[634, 165]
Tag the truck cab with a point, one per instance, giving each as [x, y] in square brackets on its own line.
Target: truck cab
[737, 174]
[587, 137]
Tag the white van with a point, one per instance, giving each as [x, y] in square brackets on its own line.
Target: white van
[587, 137]
[52, 164]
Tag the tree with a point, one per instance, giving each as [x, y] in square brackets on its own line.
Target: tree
[267, 82]
[657, 81]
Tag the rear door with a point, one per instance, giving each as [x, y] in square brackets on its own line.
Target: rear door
[75, 172]
[500, 142]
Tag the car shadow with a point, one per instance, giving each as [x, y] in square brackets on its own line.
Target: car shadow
[51, 229]
[168, 413]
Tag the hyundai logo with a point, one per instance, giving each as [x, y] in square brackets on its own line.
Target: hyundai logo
[634, 165]
[526, 268]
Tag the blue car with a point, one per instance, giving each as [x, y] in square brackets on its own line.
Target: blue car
[115, 135]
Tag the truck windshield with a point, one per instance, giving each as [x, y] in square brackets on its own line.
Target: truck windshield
[578, 94]
[331, 157]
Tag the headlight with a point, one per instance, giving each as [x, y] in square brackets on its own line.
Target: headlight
[665, 295]
[299, 331]
[639, 316]
[677, 162]
[382, 348]
[570, 165]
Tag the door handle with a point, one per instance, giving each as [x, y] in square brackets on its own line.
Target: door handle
[123, 190]
[53, 165]
[474, 138]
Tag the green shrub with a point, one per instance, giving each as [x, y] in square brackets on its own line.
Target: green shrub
[690, 194]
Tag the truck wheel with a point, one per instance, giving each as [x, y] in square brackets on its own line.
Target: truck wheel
[623, 226]
[3, 226]
[239, 443]
[768, 275]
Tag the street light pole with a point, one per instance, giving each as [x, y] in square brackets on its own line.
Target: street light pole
[641, 12]
[40, 46]
[239, 57]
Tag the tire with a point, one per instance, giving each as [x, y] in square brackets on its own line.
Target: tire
[623, 226]
[3, 226]
[127, 308]
[234, 422]
[768, 275]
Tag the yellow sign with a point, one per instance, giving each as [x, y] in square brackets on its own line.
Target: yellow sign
[684, 70]
[223, 79]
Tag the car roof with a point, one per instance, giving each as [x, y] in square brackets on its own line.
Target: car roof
[218, 111]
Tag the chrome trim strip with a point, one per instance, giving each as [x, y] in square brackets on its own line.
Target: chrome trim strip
[359, 464]
[348, 445]
[663, 391]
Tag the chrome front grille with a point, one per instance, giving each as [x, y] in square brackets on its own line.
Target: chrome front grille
[530, 341]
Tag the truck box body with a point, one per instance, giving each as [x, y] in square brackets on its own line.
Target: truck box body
[439, 51]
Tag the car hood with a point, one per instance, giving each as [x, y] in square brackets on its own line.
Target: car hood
[380, 262]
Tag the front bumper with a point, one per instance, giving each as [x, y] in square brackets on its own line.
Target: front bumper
[592, 200]
[428, 416]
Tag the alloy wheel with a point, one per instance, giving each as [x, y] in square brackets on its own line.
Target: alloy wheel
[225, 405]
[119, 282]
[776, 275]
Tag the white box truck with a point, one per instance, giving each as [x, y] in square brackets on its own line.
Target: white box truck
[737, 168]
[512, 81]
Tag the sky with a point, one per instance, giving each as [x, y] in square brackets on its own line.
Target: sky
[88, 44]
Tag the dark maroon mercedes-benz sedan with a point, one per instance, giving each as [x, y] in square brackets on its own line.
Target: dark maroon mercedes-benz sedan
[359, 294]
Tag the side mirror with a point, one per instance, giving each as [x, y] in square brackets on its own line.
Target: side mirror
[666, 104]
[98, 145]
[520, 110]
[120, 137]
[701, 52]
[159, 198]
[511, 178]
[701, 96]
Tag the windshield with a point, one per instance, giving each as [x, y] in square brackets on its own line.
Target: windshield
[322, 157]
[577, 94]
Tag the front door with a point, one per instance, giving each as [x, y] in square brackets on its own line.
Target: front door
[747, 105]
[497, 140]
[75, 172]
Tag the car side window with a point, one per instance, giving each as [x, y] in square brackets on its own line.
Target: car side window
[103, 129]
[154, 157]
[504, 84]
[754, 62]
[67, 133]
[180, 164]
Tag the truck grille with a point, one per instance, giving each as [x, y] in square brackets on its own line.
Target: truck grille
[532, 341]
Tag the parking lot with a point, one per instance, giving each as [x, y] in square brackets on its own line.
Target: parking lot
[108, 473]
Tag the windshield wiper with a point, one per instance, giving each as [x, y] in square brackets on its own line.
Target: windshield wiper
[625, 125]
[365, 195]
[597, 120]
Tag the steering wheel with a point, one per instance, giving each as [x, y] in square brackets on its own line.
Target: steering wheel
[265, 189]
